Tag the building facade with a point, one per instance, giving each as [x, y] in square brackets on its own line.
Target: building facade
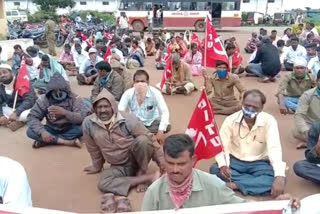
[98, 5]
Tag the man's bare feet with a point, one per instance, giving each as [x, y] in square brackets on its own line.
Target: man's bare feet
[301, 145]
[232, 186]
[77, 143]
[290, 111]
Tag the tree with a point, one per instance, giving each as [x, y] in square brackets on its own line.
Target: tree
[52, 5]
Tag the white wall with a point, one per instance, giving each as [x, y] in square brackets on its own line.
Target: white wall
[90, 5]
[261, 5]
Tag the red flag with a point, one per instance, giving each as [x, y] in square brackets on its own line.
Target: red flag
[167, 73]
[213, 48]
[166, 55]
[236, 58]
[22, 83]
[204, 131]
[109, 36]
[195, 39]
[108, 55]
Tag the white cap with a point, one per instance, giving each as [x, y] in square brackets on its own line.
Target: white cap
[6, 66]
[299, 61]
[92, 50]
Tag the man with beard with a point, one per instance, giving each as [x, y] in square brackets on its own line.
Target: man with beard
[148, 104]
[48, 67]
[64, 112]
[87, 72]
[180, 82]
[252, 161]
[120, 139]
[13, 118]
[186, 187]
[108, 79]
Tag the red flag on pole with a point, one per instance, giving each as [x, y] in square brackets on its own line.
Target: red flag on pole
[167, 72]
[204, 131]
[213, 48]
[22, 83]
[166, 55]
[108, 55]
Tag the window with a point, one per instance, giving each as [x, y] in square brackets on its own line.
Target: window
[15, 13]
[105, 3]
[16, 3]
[83, 3]
[8, 13]
[234, 5]
[246, 1]
[174, 6]
[271, 1]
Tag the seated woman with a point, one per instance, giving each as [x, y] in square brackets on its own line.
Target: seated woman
[183, 50]
[194, 59]
[150, 47]
[160, 62]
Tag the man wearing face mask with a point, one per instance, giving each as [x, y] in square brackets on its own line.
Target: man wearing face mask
[64, 112]
[108, 79]
[13, 119]
[48, 67]
[219, 86]
[115, 50]
[148, 104]
[308, 111]
[293, 85]
[87, 72]
[120, 139]
[180, 82]
[252, 161]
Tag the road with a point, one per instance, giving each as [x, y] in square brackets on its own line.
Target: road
[56, 173]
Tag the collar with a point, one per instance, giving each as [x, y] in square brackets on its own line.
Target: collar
[119, 118]
[259, 120]
[307, 77]
[215, 76]
[196, 183]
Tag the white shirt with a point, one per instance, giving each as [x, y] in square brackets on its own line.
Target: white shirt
[284, 53]
[33, 69]
[315, 32]
[153, 107]
[285, 38]
[14, 185]
[159, 13]
[123, 22]
[293, 54]
[150, 17]
[314, 65]
[80, 58]
[143, 47]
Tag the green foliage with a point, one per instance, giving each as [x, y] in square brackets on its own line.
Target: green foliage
[105, 17]
[38, 16]
[52, 5]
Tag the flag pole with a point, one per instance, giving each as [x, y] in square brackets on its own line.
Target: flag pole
[15, 101]
[205, 45]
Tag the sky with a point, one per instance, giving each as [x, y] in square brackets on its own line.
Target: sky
[293, 4]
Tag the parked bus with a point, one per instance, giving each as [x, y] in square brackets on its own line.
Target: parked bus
[181, 14]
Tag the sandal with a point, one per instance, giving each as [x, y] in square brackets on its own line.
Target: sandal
[37, 144]
[123, 205]
[108, 204]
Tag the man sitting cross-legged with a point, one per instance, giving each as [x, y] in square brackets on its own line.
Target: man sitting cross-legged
[253, 156]
[64, 112]
[121, 140]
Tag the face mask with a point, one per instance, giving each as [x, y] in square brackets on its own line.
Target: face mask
[300, 77]
[222, 73]
[78, 51]
[141, 89]
[60, 96]
[249, 114]
[113, 50]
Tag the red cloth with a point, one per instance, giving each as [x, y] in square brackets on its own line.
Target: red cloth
[22, 84]
[203, 129]
[108, 55]
[195, 40]
[109, 36]
[166, 55]
[236, 58]
[167, 72]
[213, 48]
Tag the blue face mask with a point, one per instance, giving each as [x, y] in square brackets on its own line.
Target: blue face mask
[248, 113]
[222, 73]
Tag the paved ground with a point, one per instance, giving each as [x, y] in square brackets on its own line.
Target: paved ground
[56, 173]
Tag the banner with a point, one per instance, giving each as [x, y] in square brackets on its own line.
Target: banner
[22, 84]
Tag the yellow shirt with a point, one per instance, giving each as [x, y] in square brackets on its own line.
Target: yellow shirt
[262, 142]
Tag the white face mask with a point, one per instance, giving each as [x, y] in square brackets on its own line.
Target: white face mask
[141, 89]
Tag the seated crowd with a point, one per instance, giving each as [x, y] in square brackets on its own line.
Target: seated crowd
[125, 121]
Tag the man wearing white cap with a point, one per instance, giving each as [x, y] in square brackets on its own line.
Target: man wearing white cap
[13, 118]
[87, 72]
[308, 111]
[293, 85]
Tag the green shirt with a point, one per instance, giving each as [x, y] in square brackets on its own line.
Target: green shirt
[207, 190]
